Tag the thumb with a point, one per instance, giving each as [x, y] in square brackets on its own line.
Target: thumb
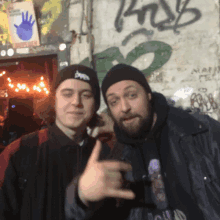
[95, 152]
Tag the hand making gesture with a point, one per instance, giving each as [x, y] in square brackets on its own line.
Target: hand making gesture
[102, 179]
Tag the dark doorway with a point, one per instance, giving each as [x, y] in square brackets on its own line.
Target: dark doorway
[23, 82]
[29, 72]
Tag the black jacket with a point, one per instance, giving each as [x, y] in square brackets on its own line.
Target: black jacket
[51, 167]
[192, 163]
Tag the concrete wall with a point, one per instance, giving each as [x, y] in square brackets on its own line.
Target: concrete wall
[175, 43]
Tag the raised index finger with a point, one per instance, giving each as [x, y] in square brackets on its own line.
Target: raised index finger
[95, 152]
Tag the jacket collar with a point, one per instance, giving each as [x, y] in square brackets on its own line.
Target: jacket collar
[60, 139]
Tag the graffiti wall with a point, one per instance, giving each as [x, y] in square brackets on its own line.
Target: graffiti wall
[174, 42]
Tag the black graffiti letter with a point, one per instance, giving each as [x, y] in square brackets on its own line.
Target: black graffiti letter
[196, 99]
[169, 13]
[119, 20]
[212, 101]
[140, 13]
[206, 104]
[194, 11]
[153, 8]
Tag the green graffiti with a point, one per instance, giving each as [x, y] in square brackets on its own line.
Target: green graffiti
[162, 53]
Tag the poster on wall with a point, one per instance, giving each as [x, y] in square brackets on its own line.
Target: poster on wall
[22, 24]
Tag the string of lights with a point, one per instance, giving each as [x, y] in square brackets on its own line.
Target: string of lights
[40, 87]
[33, 87]
[3, 73]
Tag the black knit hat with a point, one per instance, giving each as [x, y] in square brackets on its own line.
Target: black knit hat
[83, 73]
[122, 72]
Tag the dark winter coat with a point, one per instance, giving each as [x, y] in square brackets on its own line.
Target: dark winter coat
[51, 166]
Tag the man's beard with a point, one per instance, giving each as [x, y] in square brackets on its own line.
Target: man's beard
[142, 129]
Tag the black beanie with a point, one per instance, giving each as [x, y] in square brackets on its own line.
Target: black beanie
[122, 72]
[83, 73]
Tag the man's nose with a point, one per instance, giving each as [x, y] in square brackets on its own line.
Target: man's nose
[125, 106]
[76, 100]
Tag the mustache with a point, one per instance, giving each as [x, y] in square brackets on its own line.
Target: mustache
[129, 117]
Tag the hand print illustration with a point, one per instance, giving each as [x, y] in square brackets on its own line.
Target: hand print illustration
[25, 29]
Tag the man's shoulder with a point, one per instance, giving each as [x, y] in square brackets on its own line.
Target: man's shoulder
[11, 149]
[184, 122]
[34, 140]
[21, 152]
[193, 116]
[27, 142]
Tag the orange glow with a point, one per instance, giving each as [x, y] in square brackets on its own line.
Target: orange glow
[42, 84]
[12, 85]
[27, 89]
[0, 74]
[23, 86]
[47, 92]
[9, 79]
[45, 89]
[16, 90]
[3, 73]
[34, 87]
[42, 78]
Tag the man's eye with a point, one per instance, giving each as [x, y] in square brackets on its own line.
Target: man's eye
[113, 102]
[87, 96]
[132, 95]
[67, 95]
